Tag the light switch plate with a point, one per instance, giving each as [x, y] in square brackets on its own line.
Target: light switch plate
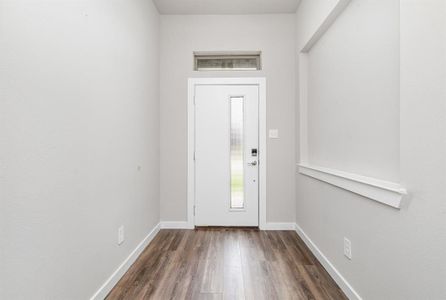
[273, 133]
[121, 235]
[347, 248]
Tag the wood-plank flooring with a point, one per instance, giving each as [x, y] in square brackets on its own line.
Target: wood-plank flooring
[225, 263]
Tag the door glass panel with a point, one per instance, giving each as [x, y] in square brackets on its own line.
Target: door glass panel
[237, 161]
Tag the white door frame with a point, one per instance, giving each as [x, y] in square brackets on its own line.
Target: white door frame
[193, 82]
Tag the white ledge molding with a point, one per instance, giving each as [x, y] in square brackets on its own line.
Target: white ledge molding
[386, 192]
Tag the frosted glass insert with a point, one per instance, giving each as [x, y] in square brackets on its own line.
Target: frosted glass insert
[237, 162]
[222, 61]
[229, 63]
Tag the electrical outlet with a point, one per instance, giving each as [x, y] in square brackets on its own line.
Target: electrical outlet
[273, 133]
[121, 235]
[347, 248]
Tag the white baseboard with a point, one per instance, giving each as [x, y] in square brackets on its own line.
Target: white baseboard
[122, 269]
[278, 226]
[334, 273]
[176, 225]
[186, 225]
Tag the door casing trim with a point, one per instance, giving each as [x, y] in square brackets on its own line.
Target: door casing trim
[192, 83]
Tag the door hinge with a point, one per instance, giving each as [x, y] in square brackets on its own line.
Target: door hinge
[194, 210]
[194, 155]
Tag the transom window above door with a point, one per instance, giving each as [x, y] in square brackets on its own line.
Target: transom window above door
[227, 61]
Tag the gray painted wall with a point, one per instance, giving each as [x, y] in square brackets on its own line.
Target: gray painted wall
[79, 112]
[353, 92]
[397, 254]
[274, 35]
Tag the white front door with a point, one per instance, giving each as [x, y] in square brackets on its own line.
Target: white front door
[226, 155]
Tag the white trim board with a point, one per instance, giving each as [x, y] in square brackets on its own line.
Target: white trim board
[261, 83]
[108, 285]
[176, 225]
[279, 226]
[267, 226]
[379, 190]
[382, 191]
[345, 286]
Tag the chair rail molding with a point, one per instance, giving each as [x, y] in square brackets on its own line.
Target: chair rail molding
[386, 192]
[379, 190]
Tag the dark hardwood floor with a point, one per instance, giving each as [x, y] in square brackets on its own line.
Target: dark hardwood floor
[224, 263]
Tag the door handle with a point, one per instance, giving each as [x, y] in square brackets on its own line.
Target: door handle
[254, 163]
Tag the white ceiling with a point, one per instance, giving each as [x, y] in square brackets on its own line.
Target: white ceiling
[220, 7]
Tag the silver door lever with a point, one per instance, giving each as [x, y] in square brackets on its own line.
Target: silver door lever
[254, 163]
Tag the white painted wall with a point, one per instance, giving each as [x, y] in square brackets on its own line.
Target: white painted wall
[397, 254]
[353, 92]
[310, 14]
[274, 36]
[79, 112]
